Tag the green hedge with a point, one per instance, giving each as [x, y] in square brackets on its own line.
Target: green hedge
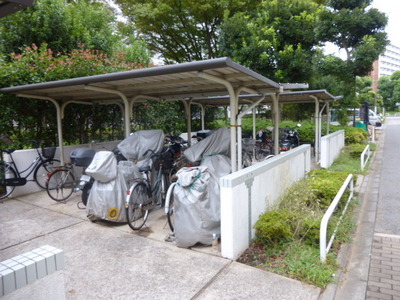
[300, 211]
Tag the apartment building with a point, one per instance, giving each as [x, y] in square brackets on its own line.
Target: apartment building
[386, 65]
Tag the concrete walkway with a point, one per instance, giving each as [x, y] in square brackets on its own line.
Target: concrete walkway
[110, 261]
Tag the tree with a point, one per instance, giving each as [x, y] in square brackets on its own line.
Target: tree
[360, 32]
[277, 40]
[182, 30]
[389, 89]
[62, 25]
[30, 118]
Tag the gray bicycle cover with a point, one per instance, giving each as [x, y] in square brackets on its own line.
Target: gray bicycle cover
[216, 143]
[106, 200]
[135, 146]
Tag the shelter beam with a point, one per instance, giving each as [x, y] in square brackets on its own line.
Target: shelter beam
[233, 104]
[59, 122]
[124, 99]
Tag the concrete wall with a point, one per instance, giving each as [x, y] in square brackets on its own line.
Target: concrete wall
[23, 159]
[252, 191]
[331, 145]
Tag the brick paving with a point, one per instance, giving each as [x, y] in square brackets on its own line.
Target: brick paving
[384, 271]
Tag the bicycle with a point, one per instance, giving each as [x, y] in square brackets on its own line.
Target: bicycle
[42, 165]
[61, 183]
[142, 196]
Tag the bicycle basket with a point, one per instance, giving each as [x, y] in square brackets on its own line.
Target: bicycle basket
[49, 152]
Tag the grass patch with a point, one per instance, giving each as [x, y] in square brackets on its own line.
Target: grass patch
[287, 238]
[346, 162]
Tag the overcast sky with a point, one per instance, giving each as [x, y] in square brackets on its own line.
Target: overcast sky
[392, 9]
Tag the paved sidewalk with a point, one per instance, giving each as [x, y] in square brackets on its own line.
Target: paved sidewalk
[372, 268]
[384, 272]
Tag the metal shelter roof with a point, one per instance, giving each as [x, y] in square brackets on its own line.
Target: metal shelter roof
[217, 81]
[178, 81]
[284, 97]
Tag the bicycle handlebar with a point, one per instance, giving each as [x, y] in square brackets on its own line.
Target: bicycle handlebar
[35, 143]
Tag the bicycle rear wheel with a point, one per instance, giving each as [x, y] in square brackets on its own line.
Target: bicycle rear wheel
[60, 185]
[43, 170]
[6, 172]
[136, 212]
[169, 207]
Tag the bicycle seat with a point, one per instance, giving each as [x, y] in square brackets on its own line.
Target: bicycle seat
[8, 151]
[145, 169]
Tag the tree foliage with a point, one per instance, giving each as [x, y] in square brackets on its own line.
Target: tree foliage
[62, 25]
[389, 89]
[29, 118]
[359, 30]
[277, 40]
[182, 30]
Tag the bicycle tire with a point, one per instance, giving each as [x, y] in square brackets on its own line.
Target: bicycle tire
[6, 171]
[169, 203]
[259, 155]
[136, 213]
[85, 192]
[246, 160]
[43, 170]
[164, 187]
[60, 185]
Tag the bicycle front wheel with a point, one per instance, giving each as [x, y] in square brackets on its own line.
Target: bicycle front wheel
[6, 172]
[43, 170]
[135, 207]
[60, 185]
[246, 160]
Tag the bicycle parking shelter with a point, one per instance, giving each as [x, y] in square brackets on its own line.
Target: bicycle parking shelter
[215, 82]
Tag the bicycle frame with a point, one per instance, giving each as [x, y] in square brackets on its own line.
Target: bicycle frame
[31, 167]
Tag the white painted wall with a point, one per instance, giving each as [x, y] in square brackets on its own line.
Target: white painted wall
[331, 145]
[23, 159]
[252, 191]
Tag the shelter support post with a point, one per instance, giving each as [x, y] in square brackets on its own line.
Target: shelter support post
[328, 117]
[239, 130]
[233, 104]
[203, 113]
[317, 129]
[276, 115]
[239, 123]
[124, 99]
[59, 121]
[320, 129]
[186, 105]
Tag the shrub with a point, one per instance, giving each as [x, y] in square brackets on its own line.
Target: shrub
[354, 135]
[355, 150]
[325, 184]
[274, 227]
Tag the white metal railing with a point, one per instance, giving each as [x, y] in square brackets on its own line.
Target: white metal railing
[323, 247]
[373, 133]
[365, 155]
